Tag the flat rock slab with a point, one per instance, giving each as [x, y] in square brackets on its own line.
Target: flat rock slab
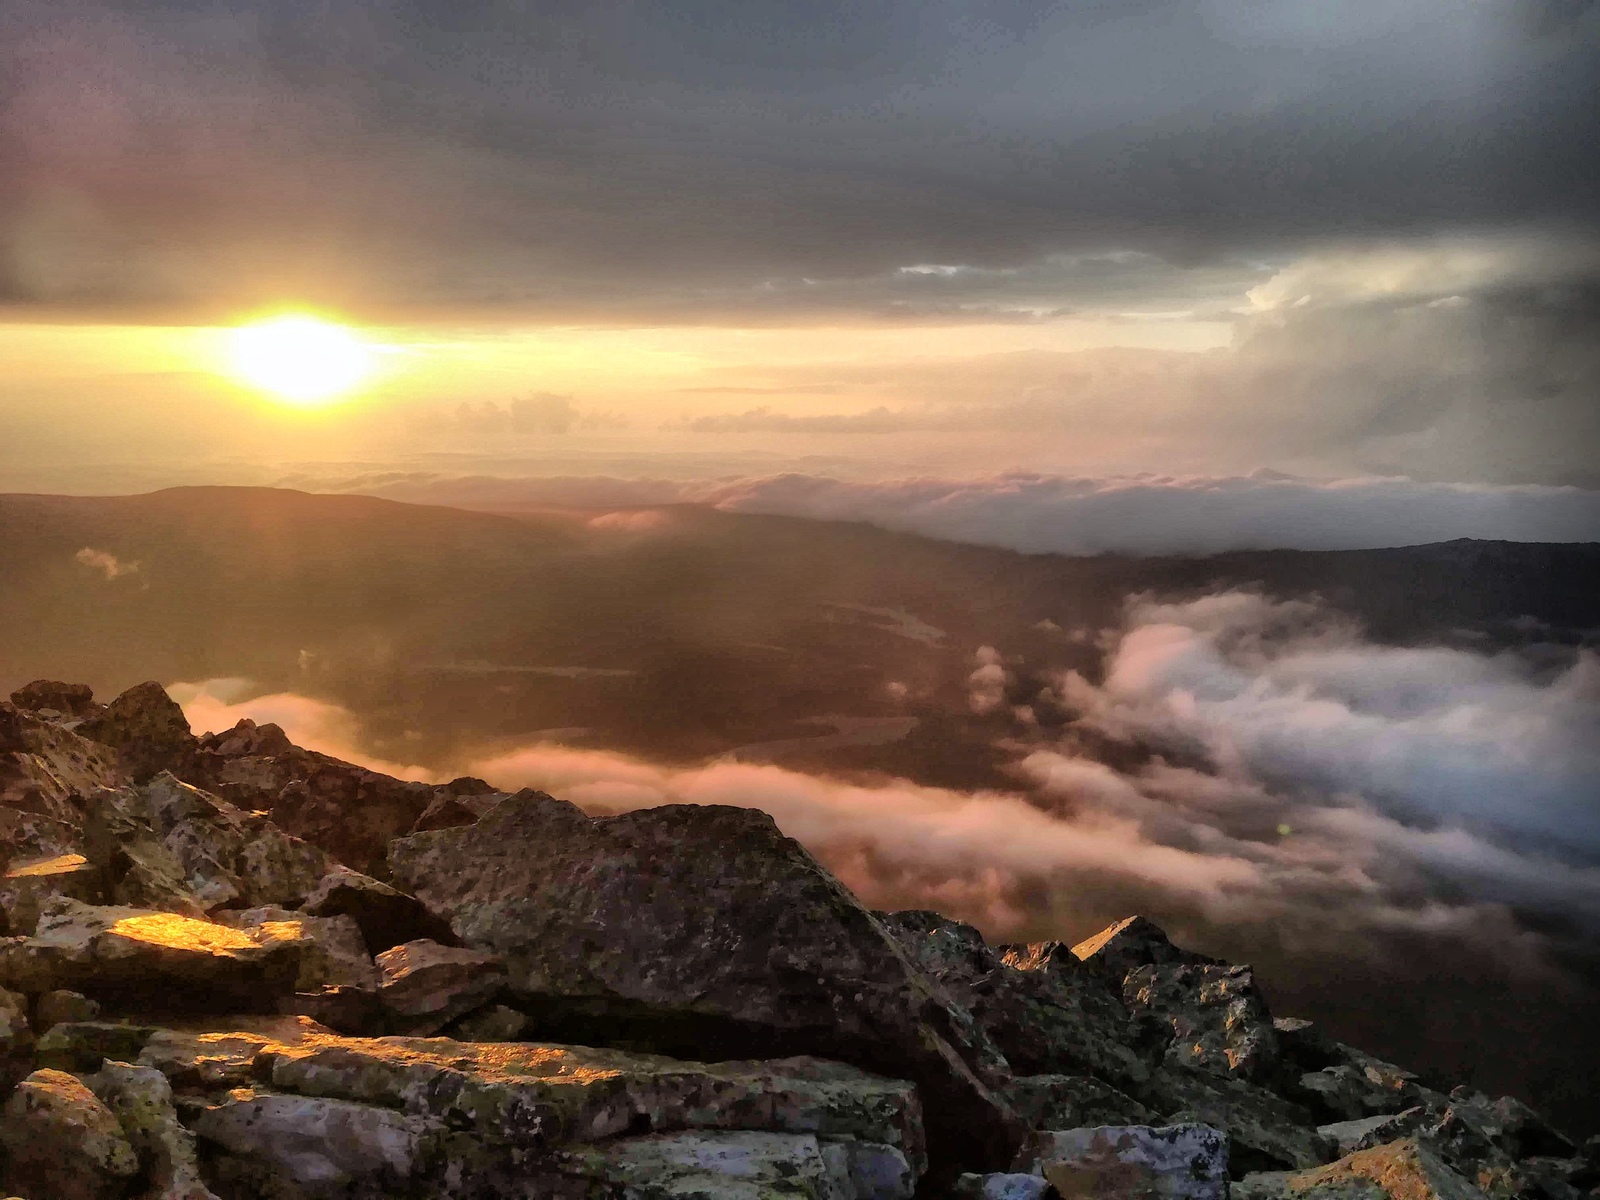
[423, 986]
[1134, 1162]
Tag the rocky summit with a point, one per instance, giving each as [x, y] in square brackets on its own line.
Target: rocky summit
[235, 969]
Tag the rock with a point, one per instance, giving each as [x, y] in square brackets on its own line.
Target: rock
[26, 885]
[169, 840]
[1268, 1132]
[141, 1100]
[63, 1143]
[1403, 1170]
[445, 812]
[247, 740]
[83, 1046]
[148, 731]
[69, 699]
[45, 770]
[1510, 1125]
[742, 1165]
[423, 986]
[354, 1010]
[16, 1038]
[133, 957]
[703, 930]
[318, 1146]
[1350, 1136]
[1071, 1102]
[57, 1007]
[1001, 1186]
[1128, 1161]
[334, 954]
[1218, 1017]
[1130, 943]
[1359, 1085]
[1042, 1009]
[385, 916]
[497, 1023]
[1304, 1046]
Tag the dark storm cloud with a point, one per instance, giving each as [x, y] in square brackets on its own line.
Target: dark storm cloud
[700, 159]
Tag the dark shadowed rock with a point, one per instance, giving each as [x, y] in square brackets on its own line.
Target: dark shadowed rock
[1133, 942]
[1044, 1010]
[45, 771]
[386, 916]
[1132, 1162]
[247, 739]
[59, 1007]
[423, 986]
[148, 731]
[1268, 1132]
[68, 699]
[701, 930]
[1071, 1102]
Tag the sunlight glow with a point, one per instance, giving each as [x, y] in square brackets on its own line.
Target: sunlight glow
[303, 360]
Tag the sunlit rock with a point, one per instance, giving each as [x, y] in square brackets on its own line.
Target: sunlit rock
[1218, 1018]
[27, 884]
[60, 1142]
[1402, 1170]
[334, 953]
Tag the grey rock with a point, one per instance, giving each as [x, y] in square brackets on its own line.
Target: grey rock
[148, 731]
[141, 1100]
[701, 930]
[1072, 1101]
[1218, 1018]
[1268, 1132]
[333, 953]
[28, 883]
[59, 1141]
[1003, 1186]
[1133, 1161]
[423, 986]
[1367, 1132]
[386, 916]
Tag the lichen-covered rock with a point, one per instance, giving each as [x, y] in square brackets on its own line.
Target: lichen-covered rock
[423, 986]
[141, 1100]
[318, 1147]
[1268, 1132]
[28, 883]
[386, 916]
[82, 1047]
[1042, 1009]
[1218, 1017]
[1004, 1186]
[16, 1037]
[1349, 1136]
[1403, 1170]
[148, 731]
[45, 769]
[334, 954]
[59, 1141]
[168, 841]
[1131, 943]
[701, 930]
[1133, 1162]
[1072, 1102]
[135, 957]
[741, 1165]
[1359, 1085]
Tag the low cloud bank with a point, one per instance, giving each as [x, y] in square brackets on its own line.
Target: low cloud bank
[1033, 513]
[1274, 772]
[105, 562]
[1162, 515]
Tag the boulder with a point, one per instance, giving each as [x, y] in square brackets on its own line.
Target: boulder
[333, 953]
[1040, 1007]
[59, 1007]
[84, 1046]
[738, 1165]
[167, 840]
[1134, 942]
[423, 986]
[702, 930]
[1402, 1170]
[28, 883]
[45, 769]
[59, 1141]
[385, 916]
[1358, 1085]
[247, 740]
[135, 957]
[68, 699]
[1268, 1132]
[1133, 1162]
[1071, 1102]
[1217, 1016]
[1349, 1136]
[148, 731]
[16, 1037]
[1004, 1186]
[141, 1100]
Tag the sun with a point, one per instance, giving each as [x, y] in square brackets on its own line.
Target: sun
[302, 360]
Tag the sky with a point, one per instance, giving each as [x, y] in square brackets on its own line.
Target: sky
[1341, 240]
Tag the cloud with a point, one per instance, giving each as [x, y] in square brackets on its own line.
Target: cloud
[104, 560]
[1165, 515]
[215, 705]
[540, 413]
